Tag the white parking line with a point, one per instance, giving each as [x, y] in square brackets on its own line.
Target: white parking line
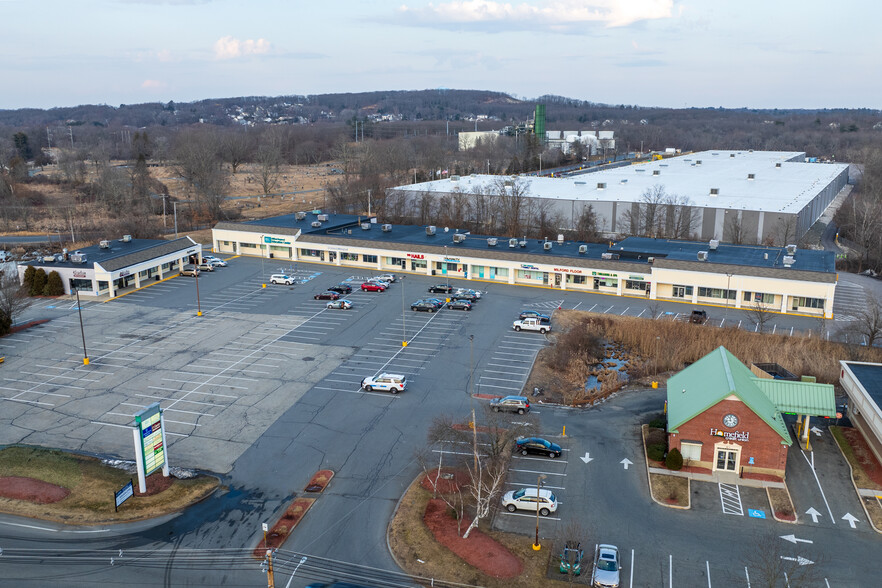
[535, 472]
[730, 498]
[818, 482]
[532, 516]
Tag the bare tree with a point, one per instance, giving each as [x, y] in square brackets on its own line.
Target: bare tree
[572, 539]
[198, 163]
[236, 148]
[867, 322]
[733, 231]
[269, 161]
[452, 495]
[758, 314]
[13, 297]
[785, 230]
[772, 564]
[586, 225]
[486, 477]
[511, 197]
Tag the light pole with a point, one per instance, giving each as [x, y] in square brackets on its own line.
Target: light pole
[657, 339]
[198, 304]
[728, 284]
[403, 314]
[82, 330]
[446, 271]
[536, 545]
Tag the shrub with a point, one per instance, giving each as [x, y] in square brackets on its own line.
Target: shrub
[658, 422]
[54, 286]
[656, 451]
[5, 323]
[38, 283]
[674, 460]
[29, 277]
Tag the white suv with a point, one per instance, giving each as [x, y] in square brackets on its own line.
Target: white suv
[393, 383]
[281, 279]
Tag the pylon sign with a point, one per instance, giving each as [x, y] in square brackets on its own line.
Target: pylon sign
[149, 433]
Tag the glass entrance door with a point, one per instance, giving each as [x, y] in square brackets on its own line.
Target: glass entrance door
[727, 460]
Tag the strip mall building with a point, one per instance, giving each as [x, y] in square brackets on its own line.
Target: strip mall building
[778, 279]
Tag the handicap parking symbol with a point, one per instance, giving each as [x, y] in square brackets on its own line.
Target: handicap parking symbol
[757, 514]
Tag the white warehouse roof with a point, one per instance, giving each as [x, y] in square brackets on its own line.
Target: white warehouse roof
[781, 181]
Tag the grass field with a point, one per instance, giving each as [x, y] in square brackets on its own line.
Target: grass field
[92, 486]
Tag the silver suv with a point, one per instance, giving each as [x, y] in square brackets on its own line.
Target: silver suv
[281, 279]
[189, 270]
[518, 404]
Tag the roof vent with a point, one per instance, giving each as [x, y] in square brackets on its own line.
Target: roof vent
[48, 259]
[126, 238]
[430, 230]
[365, 226]
[789, 260]
[522, 244]
[491, 242]
[512, 243]
[580, 183]
[547, 246]
[697, 162]
[583, 249]
[299, 215]
[323, 218]
[104, 244]
[601, 185]
[625, 181]
[778, 165]
[316, 211]
[791, 250]
[765, 255]
[609, 255]
[316, 224]
[731, 155]
[459, 238]
[702, 256]
[560, 239]
[656, 172]
[454, 178]
[714, 243]
[714, 191]
[650, 259]
[446, 229]
[387, 228]
[751, 176]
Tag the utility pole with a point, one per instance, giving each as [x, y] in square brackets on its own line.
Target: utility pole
[369, 203]
[175, 206]
[48, 138]
[70, 131]
[163, 211]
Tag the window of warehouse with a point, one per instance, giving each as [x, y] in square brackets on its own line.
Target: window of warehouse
[691, 450]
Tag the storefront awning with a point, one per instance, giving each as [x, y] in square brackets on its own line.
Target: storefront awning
[800, 397]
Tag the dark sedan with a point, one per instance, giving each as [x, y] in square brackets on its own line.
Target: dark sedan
[459, 305]
[538, 446]
[327, 296]
[543, 318]
[425, 306]
[441, 289]
[341, 289]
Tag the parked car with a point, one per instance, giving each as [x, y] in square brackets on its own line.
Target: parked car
[537, 446]
[543, 318]
[281, 279]
[459, 304]
[571, 558]
[477, 293]
[372, 287]
[437, 301]
[518, 404]
[698, 317]
[441, 289]
[217, 262]
[341, 289]
[393, 383]
[531, 324]
[387, 277]
[190, 270]
[465, 295]
[424, 305]
[528, 499]
[606, 567]
[341, 304]
[383, 283]
[327, 296]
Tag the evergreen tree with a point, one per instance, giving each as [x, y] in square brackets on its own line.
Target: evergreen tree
[54, 286]
[29, 277]
[38, 283]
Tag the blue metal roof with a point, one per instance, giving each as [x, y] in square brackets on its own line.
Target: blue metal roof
[290, 221]
[96, 254]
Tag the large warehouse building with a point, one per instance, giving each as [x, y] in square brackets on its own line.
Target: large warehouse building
[778, 279]
[751, 197]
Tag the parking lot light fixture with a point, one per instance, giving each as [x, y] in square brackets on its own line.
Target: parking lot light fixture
[198, 304]
[536, 545]
[403, 315]
[82, 330]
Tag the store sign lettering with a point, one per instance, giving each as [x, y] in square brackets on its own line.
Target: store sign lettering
[452, 259]
[567, 271]
[416, 256]
[527, 266]
[603, 274]
[278, 240]
[731, 435]
[79, 274]
[636, 278]
[124, 273]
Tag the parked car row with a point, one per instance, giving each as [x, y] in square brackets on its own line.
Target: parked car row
[209, 263]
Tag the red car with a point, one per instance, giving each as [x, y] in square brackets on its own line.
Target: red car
[372, 287]
[327, 296]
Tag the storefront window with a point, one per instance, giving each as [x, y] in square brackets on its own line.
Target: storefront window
[349, 256]
[805, 302]
[369, 258]
[716, 293]
[681, 291]
[636, 285]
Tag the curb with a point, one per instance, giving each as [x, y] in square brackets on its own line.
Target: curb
[772, 508]
[389, 524]
[688, 506]
[856, 489]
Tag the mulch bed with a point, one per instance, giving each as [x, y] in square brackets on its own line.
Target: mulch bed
[479, 550]
[280, 531]
[31, 490]
[863, 453]
[444, 485]
[156, 483]
[319, 481]
[763, 477]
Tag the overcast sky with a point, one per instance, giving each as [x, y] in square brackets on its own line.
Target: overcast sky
[764, 54]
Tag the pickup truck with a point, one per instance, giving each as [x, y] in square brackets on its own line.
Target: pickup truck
[698, 317]
[531, 324]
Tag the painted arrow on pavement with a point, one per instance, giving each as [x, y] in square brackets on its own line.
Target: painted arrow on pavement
[626, 462]
[586, 458]
[816, 431]
[850, 518]
[798, 559]
[794, 539]
[813, 513]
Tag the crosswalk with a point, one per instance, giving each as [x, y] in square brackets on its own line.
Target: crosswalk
[849, 301]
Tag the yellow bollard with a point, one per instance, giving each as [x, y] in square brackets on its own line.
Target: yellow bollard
[199, 313]
[404, 343]
[564, 434]
[263, 285]
[85, 361]
[655, 384]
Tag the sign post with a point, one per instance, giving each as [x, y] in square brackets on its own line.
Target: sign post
[148, 431]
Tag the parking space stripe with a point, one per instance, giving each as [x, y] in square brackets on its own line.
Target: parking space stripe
[535, 472]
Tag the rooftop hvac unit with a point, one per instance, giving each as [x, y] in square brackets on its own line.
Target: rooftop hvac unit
[491, 242]
[697, 162]
[322, 217]
[522, 244]
[560, 239]
[601, 185]
[624, 181]
[316, 211]
[650, 259]
[609, 255]
[789, 260]
[454, 178]
[765, 255]
[583, 249]
[365, 226]
[751, 176]
[459, 238]
[446, 229]
[791, 250]
[299, 215]
[702, 256]
[512, 243]
[714, 243]
[714, 191]
[104, 244]
[316, 224]
[777, 165]
[430, 230]
[126, 238]
[731, 155]
[547, 246]
[387, 228]
[48, 259]
[78, 257]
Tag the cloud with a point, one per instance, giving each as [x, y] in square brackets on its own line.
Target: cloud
[153, 85]
[230, 48]
[555, 14]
